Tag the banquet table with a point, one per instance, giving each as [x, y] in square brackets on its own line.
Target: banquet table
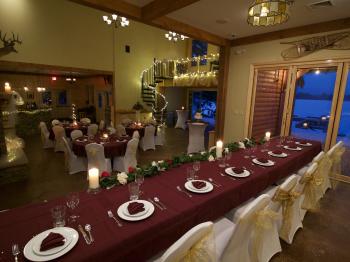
[69, 128]
[113, 146]
[141, 129]
[139, 241]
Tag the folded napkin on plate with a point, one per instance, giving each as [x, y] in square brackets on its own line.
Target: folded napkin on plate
[277, 152]
[292, 146]
[303, 142]
[135, 207]
[262, 160]
[51, 241]
[238, 170]
[198, 184]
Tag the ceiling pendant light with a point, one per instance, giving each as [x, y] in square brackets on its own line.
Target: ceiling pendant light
[116, 20]
[269, 12]
[172, 36]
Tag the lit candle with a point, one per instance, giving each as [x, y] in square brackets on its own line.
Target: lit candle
[267, 136]
[75, 123]
[182, 108]
[219, 146]
[94, 182]
[7, 87]
[105, 136]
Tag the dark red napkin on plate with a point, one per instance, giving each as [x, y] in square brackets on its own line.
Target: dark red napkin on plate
[51, 241]
[262, 160]
[198, 184]
[135, 207]
[292, 146]
[303, 142]
[238, 170]
[277, 152]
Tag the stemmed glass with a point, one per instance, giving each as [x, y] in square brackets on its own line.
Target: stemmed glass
[196, 167]
[228, 158]
[139, 178]
[72, 203]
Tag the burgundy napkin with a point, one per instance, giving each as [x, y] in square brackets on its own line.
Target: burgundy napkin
[198, 184]
[303, 142]
[277, 152]
[262, 160]
[135, 207]
[51, 241]
[292, 146]
[238, 170]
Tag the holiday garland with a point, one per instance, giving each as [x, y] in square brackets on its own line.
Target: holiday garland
[155, 168]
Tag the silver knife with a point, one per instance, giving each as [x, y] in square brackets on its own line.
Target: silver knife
[156, 204]
[87, 239]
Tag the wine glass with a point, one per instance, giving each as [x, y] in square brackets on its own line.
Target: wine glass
[139, 178]
[72, 203]
[196, 166]
[228, 158]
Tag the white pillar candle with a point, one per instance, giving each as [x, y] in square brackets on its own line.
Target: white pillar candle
[7, 88]
[94, 182]
[267, 136]
[219, 146]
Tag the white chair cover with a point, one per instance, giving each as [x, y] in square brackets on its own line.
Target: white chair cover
[111, 130]
[182, 117]
[85, 121]
[196, 137]
[126, 121]
[147, 141]
[96, 158]
[75, 134]
[122, 163]
[45, 134]
[59, 133]
[120, 130]
[136, 134]
[55, 122]
[160, 137]
[92, 130]
[73, 163]
[102, 125]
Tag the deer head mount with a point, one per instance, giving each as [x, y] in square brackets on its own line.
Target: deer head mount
[9, 44]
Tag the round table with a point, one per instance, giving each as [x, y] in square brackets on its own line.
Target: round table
[69, 128]
[141, 129]
[113, 145]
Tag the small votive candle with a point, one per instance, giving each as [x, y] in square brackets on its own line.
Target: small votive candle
[75, 123]
[267, 136]
[105, 136]
[182, 108]
[94, 180]
[7, 87]
[219, 146]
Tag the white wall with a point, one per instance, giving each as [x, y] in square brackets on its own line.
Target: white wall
[238, 82]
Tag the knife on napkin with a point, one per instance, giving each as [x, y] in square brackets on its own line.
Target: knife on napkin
[87, 239]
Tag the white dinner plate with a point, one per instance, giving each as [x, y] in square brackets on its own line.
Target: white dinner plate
[126, 211]
[276, 155]
[269, 163]
[230, 172]
[293, 149]
[67, 232]
[301, 144]
[148, 206]
[208, 187]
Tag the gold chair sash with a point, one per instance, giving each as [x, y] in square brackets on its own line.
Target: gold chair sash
[336, 159]
[286, 199]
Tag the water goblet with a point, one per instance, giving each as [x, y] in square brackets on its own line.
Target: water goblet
[196, 167]
[72, 203]
[59, 216]
[190, 173]
[139, 179]
[133, 191]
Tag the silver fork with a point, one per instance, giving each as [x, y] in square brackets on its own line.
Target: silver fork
[230, 177]
[179, 189]
[15, 251]
[110, 214]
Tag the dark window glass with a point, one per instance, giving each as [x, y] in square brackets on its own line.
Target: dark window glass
[62, 98]
[199, 48]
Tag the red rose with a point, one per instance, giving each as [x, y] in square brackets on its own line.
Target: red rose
[105, 174]
[170, 162]
[131, 169]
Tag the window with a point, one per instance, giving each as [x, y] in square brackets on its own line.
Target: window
[199, 48]
[62, 98]
[46, 98]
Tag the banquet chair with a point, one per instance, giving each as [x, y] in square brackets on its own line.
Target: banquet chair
[101, 125]
[136, 134]
[148, 141]
[160, 137]
[96, 158]
[120, 130]
[45, 134]
[182, 116]
[324, 166]
[335, 155]
[85, 121]
[59, 133]
[122, 163]
[55, 122]
[75, 134]
[111, 130]
[196, 137]
[73, 163]
[92, 130]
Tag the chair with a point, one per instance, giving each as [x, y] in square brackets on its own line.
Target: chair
[120, 130]
[182, 116]
[160, 137]
[111, 130]
[147, 141]
[196, 137]
[92, 130]
[324, 166]
[122, 163]
[85, 121]
[45, 134]
[59, 133]
[335, 155]
[136, 134]
[55, 122]
[75, 134]
[96, 158]
[73, 163]
[126, 121]
[101, 125]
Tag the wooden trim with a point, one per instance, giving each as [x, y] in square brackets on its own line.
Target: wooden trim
[159, 8]
[290, 100]
[222, 90]
[284, 130]
[328, 26]
[253, 76]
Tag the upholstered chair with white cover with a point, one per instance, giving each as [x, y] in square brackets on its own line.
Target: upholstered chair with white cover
[73, 163]
[96, 158]
[92, 130]
[55, 122]
[122, 163]
[101, 125]
[147, 141]
[286, 202]
[120, 130]
[324, 168]
[136, 134]
[111, 130]
[45, 134]
[85, 121]
[196, 137]
[160, 137]
[75, 134]
[335, 155]
[182, 117]
[59, 133]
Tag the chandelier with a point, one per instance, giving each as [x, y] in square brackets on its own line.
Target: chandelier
[116, 20]
[172, 36]
[268, 12]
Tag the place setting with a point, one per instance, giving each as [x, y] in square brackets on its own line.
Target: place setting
[277, 153]
[237, 172]
[263, 162]
[303, 143]
[292, 147]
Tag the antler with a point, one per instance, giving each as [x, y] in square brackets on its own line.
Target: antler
[15, 40]
[3, 38]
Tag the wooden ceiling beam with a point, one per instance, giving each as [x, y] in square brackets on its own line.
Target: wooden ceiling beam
[333, 25]
[159, 8]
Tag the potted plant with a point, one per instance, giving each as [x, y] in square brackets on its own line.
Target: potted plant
[137, 107]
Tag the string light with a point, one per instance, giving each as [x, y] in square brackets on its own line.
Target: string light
[32, 112]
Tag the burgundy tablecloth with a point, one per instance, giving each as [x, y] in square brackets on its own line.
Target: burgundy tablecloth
[114, 146]
[69, 129]
[138, 241]
[131, 129]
